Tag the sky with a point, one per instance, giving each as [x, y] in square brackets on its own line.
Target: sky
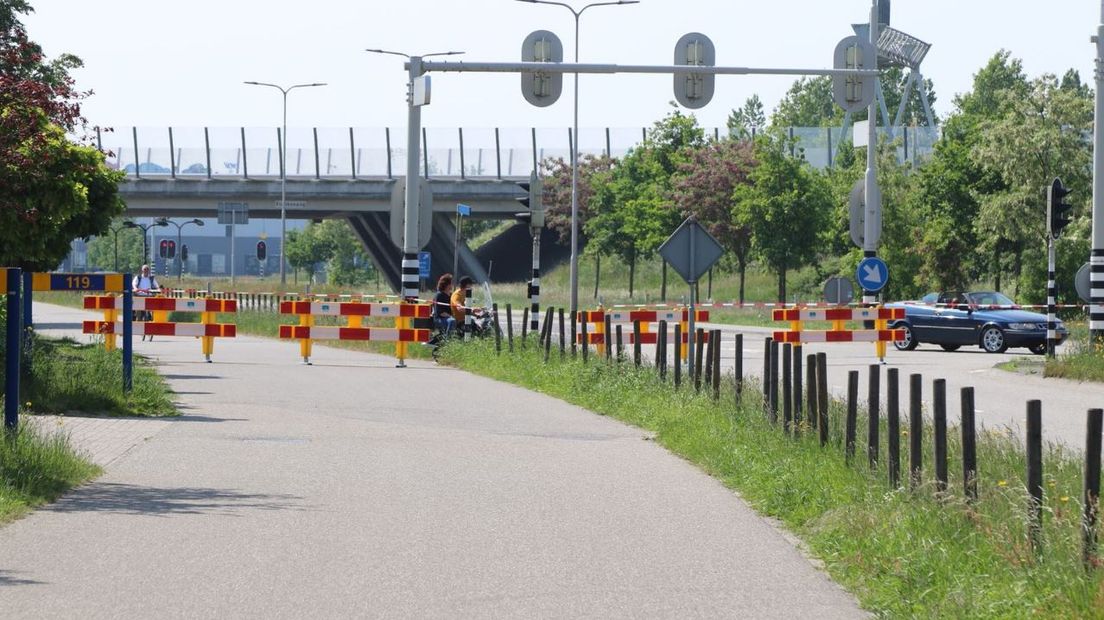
[156, 63]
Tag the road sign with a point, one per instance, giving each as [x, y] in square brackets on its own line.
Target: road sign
[857, 208]
[853, 93]
[398, 212]
[462, 209]
[694, 90]
[872, 274]
[233, 213]
[541, 89]
[422, 90]
[691, 250]
[77, 282]
[838, 290]
[1082, 282]
[424, 263]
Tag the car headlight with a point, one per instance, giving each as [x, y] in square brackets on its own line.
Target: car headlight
[1022, 326]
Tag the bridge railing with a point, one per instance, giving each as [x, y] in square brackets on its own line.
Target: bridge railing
[350, 152]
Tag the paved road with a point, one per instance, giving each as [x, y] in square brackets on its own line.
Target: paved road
[350, 488]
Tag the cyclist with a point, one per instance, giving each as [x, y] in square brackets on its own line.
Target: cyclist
[144, 285]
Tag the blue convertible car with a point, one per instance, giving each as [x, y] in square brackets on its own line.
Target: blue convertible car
[986, 319]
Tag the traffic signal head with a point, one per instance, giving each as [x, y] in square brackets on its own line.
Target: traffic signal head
[171, 249]
[163, 249]
[184, 252]
[532, 202]
[262, 251]
[1058, 209]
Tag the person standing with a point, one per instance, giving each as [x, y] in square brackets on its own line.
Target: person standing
[144, 285]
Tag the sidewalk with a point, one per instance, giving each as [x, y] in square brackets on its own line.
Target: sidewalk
[352, 488]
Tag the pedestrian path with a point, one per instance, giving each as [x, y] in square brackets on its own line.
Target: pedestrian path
[351, 488]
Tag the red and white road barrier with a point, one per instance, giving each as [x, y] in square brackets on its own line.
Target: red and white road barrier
[162, 304]
[198, 330]
[839, 314]
[840, 335]
[403, 333]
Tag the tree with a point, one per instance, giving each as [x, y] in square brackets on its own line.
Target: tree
[347, 264]
[1040, 136]
[556, 174]
[307, 248]
[704, 186]
[747, 121]
[101, 249]
[785, 207]
[51, 190]
[808, 103]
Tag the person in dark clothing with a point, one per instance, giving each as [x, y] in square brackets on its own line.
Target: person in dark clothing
[442, 305]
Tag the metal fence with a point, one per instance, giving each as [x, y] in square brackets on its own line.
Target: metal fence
[350, 152]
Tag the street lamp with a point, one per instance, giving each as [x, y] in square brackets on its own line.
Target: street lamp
[179, 245]
[575, 148]
[283, 166]
[115, 245]
[145, 236]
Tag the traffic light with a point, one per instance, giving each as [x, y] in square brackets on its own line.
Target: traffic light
[163, 250]
[533, 202]
[172, 249]
[184, 252]
[262, 251]
[1058, 210]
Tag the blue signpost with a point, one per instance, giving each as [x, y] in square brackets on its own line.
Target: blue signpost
[872, 274]
[423, 264]
[13, 279]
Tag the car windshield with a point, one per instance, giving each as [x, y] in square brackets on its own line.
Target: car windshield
[990, 298]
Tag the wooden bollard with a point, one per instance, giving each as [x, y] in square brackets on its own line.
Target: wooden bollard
[1035, 472]
[916, 430]
[810, 389]
[773, 387]
[893, 428]
[708, 361]
[678, 355]
[606, 338]
[548, 335]
[699, 355]
[787, 387]
[852, 414]
[1091, 497]
[497, 330]
[939, 418]
[585, 340]
[510, 327]
[766, 372]
[822, 395]
[636, 343]
[524, 326]
[739, 369]
[797, 395]
[573, 332]
[873, 426]
[661, 351]
[715, 340]
[563, 343]
[969, 446]
[620, 344]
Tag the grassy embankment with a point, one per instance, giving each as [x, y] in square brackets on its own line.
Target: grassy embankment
[902, 553]
[1083, 359]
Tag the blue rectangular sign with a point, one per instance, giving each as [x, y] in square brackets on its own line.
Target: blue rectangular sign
[423, 264]
[464, 210]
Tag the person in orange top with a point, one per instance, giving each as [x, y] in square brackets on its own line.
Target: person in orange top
[459, 298]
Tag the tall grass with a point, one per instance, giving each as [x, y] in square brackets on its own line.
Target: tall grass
[1083, 359]
[903, 553]
[37, 467]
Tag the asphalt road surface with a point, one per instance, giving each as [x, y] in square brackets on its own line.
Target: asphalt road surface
[351, 488]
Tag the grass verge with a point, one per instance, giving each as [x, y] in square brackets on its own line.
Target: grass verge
[1083, 359]
[36, 468]
[902, 553]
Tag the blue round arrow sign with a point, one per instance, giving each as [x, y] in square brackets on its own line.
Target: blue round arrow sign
[872, 274]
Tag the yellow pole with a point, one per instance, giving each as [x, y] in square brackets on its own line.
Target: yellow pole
[109, 317]
[206, 342]
[880, 346]
[305, 320]
[400, 346]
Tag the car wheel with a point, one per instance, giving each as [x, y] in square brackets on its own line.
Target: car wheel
[950, 347]
[907, 343]
[1038, 349]
[992, 340]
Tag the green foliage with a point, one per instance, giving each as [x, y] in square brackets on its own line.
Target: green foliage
[36, 467]
[101, 249]
[347, 264]
[785, 207]
[745, 122]
[902, 554]
[308, 248]
[808, 103]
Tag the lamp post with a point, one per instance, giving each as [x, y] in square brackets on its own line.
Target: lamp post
[575, 148]
[283, 166]
[145, 235]
[115, 243]
[179, 243]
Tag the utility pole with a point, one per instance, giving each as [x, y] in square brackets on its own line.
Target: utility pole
[873, 195]
[1096, 258]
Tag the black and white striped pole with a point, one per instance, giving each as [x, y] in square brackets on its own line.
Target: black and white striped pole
[1052, 300]
[1058, 217]
[410, 276]
[872, 221]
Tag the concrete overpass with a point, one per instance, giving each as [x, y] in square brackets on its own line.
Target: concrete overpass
[364, 201]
